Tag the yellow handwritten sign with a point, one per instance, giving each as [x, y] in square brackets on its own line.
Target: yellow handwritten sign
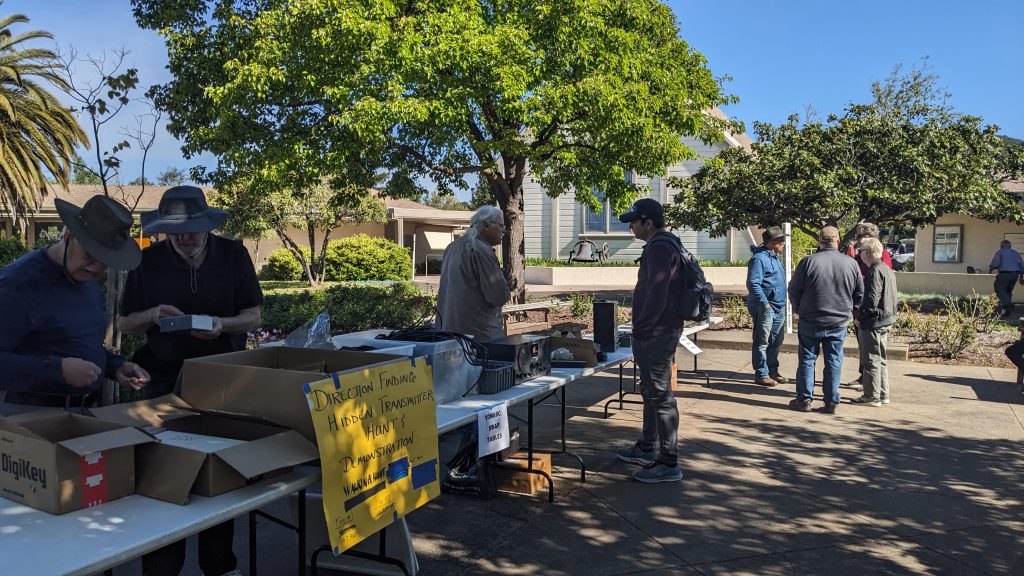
[377, 431]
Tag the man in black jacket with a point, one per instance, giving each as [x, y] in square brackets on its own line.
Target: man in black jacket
[657, 325]
[877, 313]
[825, 289]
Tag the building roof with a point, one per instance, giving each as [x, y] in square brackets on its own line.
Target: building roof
[740, 140]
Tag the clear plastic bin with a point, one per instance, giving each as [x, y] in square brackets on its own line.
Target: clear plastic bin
[453, 374]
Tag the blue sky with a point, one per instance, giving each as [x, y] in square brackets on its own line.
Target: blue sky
[783, 56]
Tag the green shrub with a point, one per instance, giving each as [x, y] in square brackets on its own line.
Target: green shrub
[364, 257]
[10, 250]
[907, 322]
[283, 265]
[735, 313]
[983, 310]
[958, 331]
[352, 307]
[582, 305]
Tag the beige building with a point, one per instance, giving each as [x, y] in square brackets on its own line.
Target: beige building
[962, 243]
[425, 230]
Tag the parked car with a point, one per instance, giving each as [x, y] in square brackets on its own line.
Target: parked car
[904, 252]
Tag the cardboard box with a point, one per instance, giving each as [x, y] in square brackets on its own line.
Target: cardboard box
[60, 462]
[581, 349]
[267, 382]
[204, 452]
[523, 482]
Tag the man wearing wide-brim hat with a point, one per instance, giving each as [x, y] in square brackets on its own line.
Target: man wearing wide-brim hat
[766, 302]
[54, 323]
[192, 272]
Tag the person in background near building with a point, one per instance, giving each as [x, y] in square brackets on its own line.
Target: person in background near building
[54, 323]
[824, 291]
[766, 301]
[657, 325]
[192, 272]
[876, 314]
[473, 288]
[863, 231]
[1009, 267]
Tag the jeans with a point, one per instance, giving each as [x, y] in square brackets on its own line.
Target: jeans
[661, 415]
[874, 359]
[768, 337]
[829, 343]
[1003, 286]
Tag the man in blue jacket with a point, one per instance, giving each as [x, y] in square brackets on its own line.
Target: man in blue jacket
[766, 301]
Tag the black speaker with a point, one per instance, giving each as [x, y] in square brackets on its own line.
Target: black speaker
[606, 325]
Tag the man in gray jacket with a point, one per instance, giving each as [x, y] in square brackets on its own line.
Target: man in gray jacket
[877, 313]
[825, 289]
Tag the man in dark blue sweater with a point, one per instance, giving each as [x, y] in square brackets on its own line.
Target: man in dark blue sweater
[51, 339]
[657, 325]
[825, 289]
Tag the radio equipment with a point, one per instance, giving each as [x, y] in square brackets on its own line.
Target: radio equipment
[530, 354]
[606, 325]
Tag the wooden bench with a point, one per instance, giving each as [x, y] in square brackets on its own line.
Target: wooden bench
[514, 316]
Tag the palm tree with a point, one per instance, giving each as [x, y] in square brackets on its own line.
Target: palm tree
[37, 134]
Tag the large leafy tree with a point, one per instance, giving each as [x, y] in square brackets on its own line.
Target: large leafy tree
[37, 134]
[904, 159]
[575, 91]
[258, 211]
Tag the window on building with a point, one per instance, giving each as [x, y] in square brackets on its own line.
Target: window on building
[606, 221]
[947, 244]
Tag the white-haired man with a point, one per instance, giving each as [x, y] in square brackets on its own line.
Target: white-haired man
[877, 313]
[473, 288]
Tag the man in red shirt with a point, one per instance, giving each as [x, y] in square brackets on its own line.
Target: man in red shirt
[864, 230]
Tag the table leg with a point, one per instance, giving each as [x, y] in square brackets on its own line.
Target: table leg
[252, 543]
[302, 533]
[622, 392]
[695, 371]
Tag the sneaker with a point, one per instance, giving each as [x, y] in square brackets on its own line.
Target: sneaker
[828, 408]
[855, 385]
[658, 472]
[885, 400]
[800, 405]
[635, 455]
[868, 401]
[765, 381]
[779, 378]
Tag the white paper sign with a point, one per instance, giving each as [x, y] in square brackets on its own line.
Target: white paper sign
[689, 345]
[492, 428]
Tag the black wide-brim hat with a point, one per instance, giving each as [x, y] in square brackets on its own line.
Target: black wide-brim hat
[182, 210]
[103, 227]
[772, 233]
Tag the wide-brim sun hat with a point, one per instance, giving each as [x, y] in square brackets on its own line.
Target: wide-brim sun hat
[772, 233]
[183, 210]
[103, 227]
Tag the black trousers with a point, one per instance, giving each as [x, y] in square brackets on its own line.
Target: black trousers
[1015, 352]
[216, 555]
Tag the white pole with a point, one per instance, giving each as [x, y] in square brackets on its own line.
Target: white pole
[788, 229]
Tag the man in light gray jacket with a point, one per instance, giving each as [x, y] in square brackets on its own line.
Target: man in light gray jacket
[876, 315]
[824, 291]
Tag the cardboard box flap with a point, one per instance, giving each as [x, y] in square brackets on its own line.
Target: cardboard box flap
[151, 412]
[106, 441]
[257, 457]
[9, 425]
[167, 472]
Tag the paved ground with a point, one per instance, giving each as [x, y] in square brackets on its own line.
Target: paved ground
[929, 484]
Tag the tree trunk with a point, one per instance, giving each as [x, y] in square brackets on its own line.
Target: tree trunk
[513, 247]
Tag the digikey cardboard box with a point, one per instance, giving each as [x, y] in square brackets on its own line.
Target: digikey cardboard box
[204, 452]
[60, 462]
[268, 382]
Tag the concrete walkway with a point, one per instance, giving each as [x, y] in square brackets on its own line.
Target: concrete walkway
[930, 484]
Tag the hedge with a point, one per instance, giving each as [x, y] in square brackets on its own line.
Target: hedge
[356, 258]
[352, 306]
[10, 250]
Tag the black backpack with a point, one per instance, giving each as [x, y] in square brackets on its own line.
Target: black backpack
[694, 297]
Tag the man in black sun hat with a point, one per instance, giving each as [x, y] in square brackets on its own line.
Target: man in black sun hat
[51, 337]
